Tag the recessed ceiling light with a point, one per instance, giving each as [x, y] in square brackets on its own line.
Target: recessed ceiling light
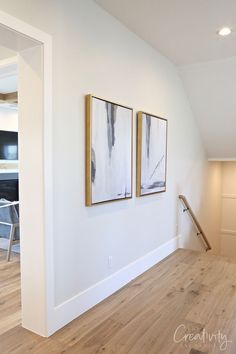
[225, 31]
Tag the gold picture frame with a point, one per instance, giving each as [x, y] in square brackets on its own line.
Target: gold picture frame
[151, 166]
[108, 151]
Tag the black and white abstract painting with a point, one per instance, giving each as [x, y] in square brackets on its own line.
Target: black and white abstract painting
[111, 151]
[152, 154]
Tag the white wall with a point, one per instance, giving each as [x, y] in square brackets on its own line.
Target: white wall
[207, 209]
[228, 222]
[6, 53]
[212, 205]
[93, 53]
[8, 119]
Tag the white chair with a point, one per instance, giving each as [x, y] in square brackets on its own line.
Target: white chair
[9, 216]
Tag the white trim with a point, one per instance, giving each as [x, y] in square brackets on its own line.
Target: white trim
[37, 36]
[222, 159]
[229, 196]
[48, 176]
[80, 303]
[228, 232]
[9, 162]
[8, 170]
[24, 28]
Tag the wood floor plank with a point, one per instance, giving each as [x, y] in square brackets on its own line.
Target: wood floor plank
[117, 302]
[166, 310]
[10, 311]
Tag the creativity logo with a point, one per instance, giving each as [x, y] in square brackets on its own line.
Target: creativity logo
[181, 334]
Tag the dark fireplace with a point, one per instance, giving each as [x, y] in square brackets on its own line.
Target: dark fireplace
[9, 188]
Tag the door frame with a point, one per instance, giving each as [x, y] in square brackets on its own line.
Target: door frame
[41, 324]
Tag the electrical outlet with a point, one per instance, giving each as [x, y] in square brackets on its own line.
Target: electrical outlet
[110, 262]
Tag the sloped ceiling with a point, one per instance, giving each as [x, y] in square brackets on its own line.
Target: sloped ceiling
[185, 31]
[211, 88]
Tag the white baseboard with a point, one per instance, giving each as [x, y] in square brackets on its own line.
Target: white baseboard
[75, 306]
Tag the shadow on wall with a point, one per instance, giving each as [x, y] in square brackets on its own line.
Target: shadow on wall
[189, 238]
[206, 206]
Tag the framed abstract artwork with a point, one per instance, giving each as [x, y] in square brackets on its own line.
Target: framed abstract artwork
[109, 139]
[151, 154]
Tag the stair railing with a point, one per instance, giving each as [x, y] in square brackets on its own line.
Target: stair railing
[200, 232]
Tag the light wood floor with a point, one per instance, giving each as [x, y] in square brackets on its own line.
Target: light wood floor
[10, 314]
[190, 292]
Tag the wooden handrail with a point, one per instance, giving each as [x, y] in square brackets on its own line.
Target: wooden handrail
[200, 231]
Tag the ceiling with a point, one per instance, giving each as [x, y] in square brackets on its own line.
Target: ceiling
[211, 88]
[185, 31]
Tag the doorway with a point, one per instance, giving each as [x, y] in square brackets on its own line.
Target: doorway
[33, 48]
